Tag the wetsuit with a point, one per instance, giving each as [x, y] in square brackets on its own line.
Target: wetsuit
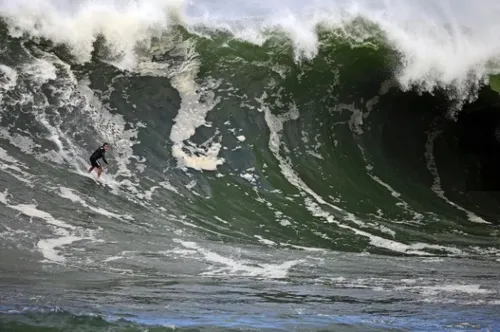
[98, 154]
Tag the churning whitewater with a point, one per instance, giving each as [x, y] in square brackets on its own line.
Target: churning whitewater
[274, 165]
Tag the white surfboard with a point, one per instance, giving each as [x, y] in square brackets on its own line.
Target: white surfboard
[101, 181]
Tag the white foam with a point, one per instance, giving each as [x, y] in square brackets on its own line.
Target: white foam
[24, 143]
[67, 234]
[6, 157]
[285, 222]
[72, 196]
[148, 194]
[13, 167]
[265, 241]
[48, 247]
[226, 265]
[221, 220]
[304, 248]
[315, 154]
[167, 185]
[445, 43]
[39, 70]
[8, 79]
[191, 115]
[252, 178]
[448, 288]
[112, 258]
[76, 23]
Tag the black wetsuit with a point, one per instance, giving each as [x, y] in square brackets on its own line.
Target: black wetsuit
[98, 154]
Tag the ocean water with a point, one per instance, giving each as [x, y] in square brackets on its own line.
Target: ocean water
[275, 166]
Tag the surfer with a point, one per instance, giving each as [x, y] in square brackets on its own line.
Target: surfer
[98, 154]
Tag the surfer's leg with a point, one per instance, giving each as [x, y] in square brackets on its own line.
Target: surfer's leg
[93, 164]
[99, 171]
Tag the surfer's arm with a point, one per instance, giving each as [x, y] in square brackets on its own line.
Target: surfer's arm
[104, 159]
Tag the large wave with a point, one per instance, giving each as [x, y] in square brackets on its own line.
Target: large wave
[252, 139]
[303, 72]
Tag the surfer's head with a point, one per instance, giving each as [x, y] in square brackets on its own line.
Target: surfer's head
[106, 146]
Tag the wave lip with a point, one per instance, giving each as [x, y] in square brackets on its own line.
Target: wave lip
[448, 44]
[77, 24]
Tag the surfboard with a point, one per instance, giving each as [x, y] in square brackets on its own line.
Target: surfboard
[101, 182]
[91, 176]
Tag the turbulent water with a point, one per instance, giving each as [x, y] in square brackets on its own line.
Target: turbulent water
[274, 165]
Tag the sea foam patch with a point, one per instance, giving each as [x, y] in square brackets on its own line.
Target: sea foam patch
[66, 234]
[75, 198]
[225, 265]
[10, 165]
